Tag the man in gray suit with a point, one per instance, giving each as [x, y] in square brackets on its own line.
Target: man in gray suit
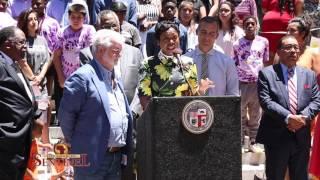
[127, 70]
[290, 99]
[130, 59]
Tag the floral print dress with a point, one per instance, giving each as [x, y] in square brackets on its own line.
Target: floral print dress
[166, 76]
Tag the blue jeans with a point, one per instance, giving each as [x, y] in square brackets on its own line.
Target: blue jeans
[110, 169]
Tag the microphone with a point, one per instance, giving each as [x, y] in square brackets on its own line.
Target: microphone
[177, 54]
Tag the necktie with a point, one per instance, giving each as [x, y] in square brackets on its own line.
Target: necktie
[204, 69]
[292, 92]
[204, 66]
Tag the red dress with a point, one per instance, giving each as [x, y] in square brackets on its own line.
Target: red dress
[273, 20]
[314, 166]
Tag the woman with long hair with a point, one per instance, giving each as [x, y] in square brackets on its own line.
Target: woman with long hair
[229, 31]
[244, 8]
[36, 65]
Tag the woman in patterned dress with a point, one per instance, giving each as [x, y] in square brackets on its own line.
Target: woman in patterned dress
[168, 74]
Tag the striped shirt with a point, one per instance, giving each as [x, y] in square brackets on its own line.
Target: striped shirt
[150, 10]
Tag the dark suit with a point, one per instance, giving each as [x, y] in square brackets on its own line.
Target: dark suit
[17, 111]
[283, 147]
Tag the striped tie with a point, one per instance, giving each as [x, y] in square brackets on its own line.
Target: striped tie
[204, 66]
[204, 70]
[292, 92]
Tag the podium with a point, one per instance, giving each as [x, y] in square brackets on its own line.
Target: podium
[173, 144]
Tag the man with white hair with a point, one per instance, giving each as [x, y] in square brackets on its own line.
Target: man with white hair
[95, 116]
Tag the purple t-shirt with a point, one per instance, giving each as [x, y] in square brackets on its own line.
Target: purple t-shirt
[49, 29]
[249, 56]
[71, 43]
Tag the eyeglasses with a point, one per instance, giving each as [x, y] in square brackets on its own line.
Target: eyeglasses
[289, 47]
[18, 42]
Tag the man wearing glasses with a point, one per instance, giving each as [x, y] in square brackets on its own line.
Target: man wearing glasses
[290, 99]
[17, 107]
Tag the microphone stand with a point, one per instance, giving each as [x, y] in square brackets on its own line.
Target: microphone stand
[178, 56]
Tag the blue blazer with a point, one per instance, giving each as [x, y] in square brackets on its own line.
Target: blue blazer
[84, 113]
[274, 100]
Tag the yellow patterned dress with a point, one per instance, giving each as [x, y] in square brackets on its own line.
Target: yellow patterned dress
[167, 76]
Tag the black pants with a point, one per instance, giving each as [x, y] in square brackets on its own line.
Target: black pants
[288, 154]
[12, 167]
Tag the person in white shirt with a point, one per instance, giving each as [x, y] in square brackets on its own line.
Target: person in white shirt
[213, 64]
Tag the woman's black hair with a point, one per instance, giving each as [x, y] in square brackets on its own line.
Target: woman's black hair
[163, 26]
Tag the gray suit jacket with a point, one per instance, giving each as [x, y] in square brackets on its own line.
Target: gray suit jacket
[130, 61]
[274, 100]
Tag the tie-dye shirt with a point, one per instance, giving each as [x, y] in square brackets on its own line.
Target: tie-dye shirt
[49, 29]
[249, 56]
[71, 42]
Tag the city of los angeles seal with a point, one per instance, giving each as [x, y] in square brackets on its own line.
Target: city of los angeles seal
[197, 117]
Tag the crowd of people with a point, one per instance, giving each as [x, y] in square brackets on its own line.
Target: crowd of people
[101, 62]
